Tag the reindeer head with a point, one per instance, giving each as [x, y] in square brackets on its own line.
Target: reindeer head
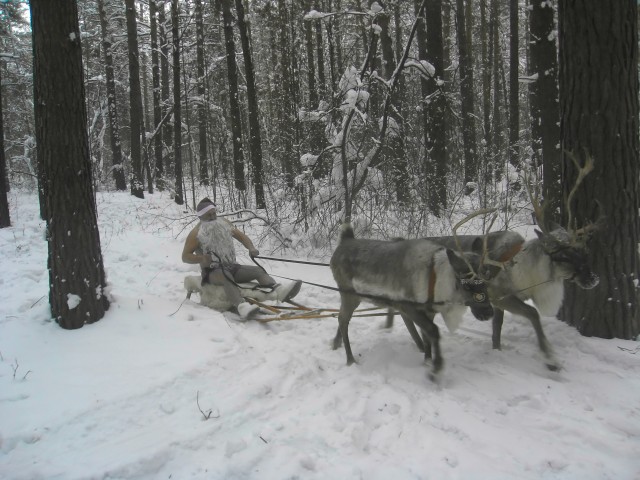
[474, 269]
[472, 275]
[570, 257]
[567, 248]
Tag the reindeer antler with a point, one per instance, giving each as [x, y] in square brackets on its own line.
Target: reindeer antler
[538, 210]
[482, 211]
[583, 171]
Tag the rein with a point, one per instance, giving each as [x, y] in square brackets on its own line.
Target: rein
[353, 292]
[287, 261]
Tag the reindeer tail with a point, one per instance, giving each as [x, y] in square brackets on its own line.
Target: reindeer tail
[346, 232]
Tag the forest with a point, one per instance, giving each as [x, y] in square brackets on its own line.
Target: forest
[399, 116]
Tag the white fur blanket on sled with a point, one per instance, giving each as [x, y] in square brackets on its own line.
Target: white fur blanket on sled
[213, 296]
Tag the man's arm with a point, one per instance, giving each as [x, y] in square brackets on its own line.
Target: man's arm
[191, 244]
[246, 241]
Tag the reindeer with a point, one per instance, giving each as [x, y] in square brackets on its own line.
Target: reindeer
[419, 278]
[532, 270]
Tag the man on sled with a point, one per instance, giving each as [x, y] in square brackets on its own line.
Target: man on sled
[224, 282]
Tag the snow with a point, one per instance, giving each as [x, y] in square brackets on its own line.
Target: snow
[165, 388]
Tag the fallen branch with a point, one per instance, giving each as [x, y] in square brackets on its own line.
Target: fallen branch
[206, 416]
[632, 352]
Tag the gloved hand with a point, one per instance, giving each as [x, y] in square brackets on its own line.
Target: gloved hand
[254, 252]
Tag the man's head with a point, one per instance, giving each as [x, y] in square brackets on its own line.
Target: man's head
[206, 210]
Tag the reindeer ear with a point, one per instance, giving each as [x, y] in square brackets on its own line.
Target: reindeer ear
[554, 226]
[539, 234]
[477, 246]
[458, 264]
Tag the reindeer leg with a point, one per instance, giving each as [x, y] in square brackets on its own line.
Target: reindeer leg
[390, 314]
[430, 330]
[427, 346]
[498, 318]
[348, 303]
[518, 307]
[415, 335]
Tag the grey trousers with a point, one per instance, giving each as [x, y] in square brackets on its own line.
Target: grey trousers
[240, 274]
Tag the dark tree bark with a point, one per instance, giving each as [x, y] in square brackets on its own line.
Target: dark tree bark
[76, 272]
[322, 81]
[311, 63]
[157, 109]
[599, 118]
[165, 91]
[485, 59]
[514, 87]
[5, 218]
[314, 129]
[234, 104]
[202, 110]
[466, 94]
[545, 116]
[436, 108]
[177, 119]
[255, 139]
[333, 40]
[114, 123]
[421, 42]
[287, 109]
[497, 143]
[394, 150]
[135, 101]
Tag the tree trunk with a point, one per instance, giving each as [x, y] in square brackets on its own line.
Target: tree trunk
[322, 82]
[234, 104]
[394, 144]
[202, 110]
[114, 123]
[599, 118]
[177, 124]
[436, 108]
[545, 116]
[76, 271]
[255, 139]
[496, 133]
[485, 41]
[315, 129]
[157, 109]
[333, 39]
[466, 94]
[135, 101]
[514, 90]
[165, 91]
[5, 218]
[311, 64]
[287, 109]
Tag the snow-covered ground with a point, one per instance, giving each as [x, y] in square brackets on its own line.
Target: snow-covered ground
[127, 397]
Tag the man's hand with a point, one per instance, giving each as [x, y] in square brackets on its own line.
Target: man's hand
[254, 252]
